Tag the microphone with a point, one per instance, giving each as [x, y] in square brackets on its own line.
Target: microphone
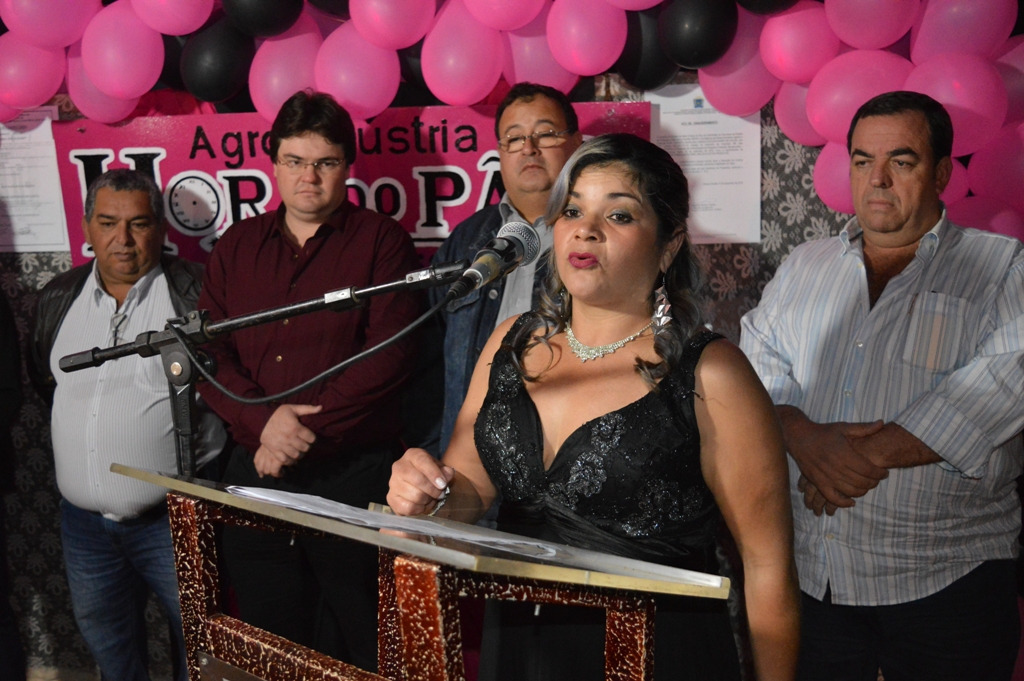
[516, 243]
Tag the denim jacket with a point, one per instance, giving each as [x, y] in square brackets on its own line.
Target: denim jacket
[469, 321]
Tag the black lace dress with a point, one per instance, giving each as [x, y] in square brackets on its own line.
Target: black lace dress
[627, 483]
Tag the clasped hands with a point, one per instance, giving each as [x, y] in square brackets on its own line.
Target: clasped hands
[838, 462]
[284, 440]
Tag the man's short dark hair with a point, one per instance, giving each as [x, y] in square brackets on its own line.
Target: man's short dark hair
[315, 112]
[126, 180]
[940, 127]
[526, 92]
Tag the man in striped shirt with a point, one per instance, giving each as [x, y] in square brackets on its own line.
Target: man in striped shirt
[894, 355]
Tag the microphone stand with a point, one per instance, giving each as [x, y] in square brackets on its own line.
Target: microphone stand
[196, 329]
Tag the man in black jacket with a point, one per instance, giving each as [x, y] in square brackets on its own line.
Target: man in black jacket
[114, 530]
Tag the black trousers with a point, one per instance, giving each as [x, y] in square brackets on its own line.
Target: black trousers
[12, 656]
[318, 591]
[969, 630]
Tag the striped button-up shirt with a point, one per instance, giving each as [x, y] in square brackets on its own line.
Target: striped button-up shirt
[118, 412]
[941, 353]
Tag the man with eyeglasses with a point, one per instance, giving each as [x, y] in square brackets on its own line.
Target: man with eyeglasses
[537, 131]
[336, 439]
[115, 533]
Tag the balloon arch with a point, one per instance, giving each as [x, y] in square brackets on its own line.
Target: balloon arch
[817, 60]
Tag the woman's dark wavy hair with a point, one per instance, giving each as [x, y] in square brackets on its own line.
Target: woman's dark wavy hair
[664, 187]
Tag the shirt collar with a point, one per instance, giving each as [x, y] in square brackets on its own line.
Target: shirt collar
[137, 292]
[335, 220]
[510, 214]
[851, 236]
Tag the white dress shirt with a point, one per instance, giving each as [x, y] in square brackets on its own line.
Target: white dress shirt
[517, 297]
[941, 353]
[120, 411]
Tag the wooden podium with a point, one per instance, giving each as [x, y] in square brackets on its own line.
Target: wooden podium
[421, 580]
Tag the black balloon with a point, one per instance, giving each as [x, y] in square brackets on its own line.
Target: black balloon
[696, 33]
[410, 62]
[263, 18]
[411, 94]
[766, 6]
[338, 8]
[643, 64]
[240, 103]
[215, 61]
[170, 75]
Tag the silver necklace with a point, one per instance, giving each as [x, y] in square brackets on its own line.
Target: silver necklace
[585, 352]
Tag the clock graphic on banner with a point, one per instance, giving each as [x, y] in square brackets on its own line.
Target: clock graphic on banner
[193, 203]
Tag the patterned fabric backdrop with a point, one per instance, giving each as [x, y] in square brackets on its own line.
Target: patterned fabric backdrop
[736, 275]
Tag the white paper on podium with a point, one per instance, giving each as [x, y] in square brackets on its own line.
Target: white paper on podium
[521, 547]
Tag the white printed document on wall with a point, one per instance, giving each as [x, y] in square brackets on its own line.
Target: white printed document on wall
[31, 204]
[721, 156]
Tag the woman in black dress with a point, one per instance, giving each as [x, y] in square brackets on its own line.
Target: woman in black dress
[611, 419]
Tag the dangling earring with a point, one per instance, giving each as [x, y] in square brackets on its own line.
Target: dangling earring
[662, 316]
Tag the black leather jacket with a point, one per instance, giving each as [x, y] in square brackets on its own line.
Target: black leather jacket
[184, 280]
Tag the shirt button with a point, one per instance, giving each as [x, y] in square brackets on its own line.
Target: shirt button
[859, 344]
[285, 322]
[278, 358]
[295, 256]
[830, 536]
[848, 393]
[493, 294]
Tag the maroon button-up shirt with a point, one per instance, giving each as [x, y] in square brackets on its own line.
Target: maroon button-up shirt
[253, 267]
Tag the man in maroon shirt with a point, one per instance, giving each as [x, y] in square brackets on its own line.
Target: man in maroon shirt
[338, 438]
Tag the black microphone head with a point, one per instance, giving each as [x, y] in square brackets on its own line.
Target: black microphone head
[525, 235]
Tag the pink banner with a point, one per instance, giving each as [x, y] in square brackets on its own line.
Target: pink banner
[429, 168]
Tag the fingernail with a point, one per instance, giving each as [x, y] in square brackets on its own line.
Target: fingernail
[440, 483]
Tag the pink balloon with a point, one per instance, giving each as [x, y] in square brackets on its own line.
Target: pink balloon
[50, 24]
[971, 90]
[846, 82]
[797, 42]
[871, 24]
[528, 58]
[738, 84]
[1010, 65]
[586, 37]
[90, 101]
[460, 60]
[29, 75]
[283, 65]
[122, 56]
[173, 17]
[8, 113]
[391, 24]
[997, 169]
[832, 178]
[633, 4]
[991, 215]
[504, 15]
[973, 26]
[363, 78]
[957, 187]
[791, 115]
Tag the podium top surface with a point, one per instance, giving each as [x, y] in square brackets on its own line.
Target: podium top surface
[467, 547]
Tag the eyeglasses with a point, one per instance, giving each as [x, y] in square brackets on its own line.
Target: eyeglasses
[541, 140]
[325, 166]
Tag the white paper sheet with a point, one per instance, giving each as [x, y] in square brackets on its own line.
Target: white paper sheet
[721, 156]
[31, 207]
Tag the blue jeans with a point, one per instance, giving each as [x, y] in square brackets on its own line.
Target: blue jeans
[111, 567]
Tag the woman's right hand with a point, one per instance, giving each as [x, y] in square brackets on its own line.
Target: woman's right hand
[418, 481]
